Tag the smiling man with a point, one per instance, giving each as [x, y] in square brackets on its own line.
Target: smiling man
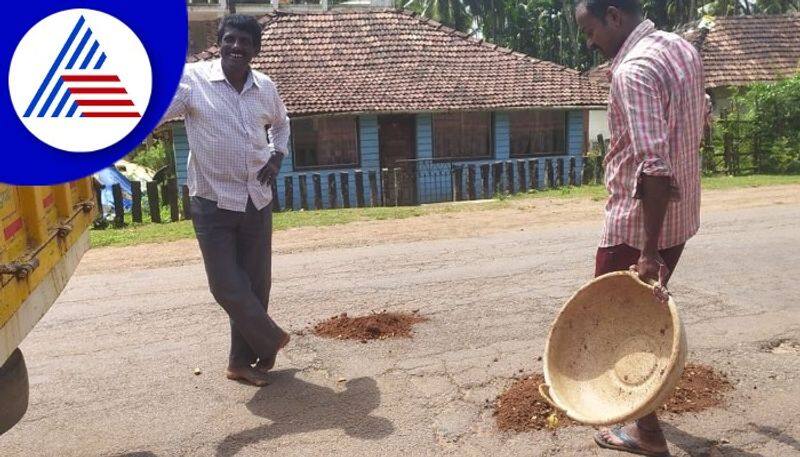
[657, 109]
[227, 107]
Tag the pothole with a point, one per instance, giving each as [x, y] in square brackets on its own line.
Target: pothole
[521, 408]
[376, 326]
[781, 346]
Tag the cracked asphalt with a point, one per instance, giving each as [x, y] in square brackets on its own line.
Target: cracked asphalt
[112, 365]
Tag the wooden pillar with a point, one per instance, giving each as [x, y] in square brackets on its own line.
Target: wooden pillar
[457, 174]
[385, 186]
[303, 184]
[533, 171]
[153, 203]
[317, 180]
[359, 175]
[471, 182]
[187, 202]
[288, 193]
[523, 186]
[331, 190]
[572, 180]
[136, 199]
[344, 183]
[497, 178]
[510, 176]
[119, 209]
[485, 180]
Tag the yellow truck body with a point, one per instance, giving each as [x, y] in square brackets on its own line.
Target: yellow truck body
[44, 232]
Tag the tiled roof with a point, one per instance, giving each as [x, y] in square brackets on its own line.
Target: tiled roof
[741, 50]
[395, 61]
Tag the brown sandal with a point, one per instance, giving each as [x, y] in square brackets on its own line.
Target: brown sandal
[628, 444]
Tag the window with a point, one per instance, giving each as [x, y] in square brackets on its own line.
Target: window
[538, 133]
[325, 142]
[462, 135]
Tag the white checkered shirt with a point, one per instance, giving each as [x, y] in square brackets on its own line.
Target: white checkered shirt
[227, 134]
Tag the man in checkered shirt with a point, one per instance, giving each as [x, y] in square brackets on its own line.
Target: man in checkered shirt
[657, 110]
[226, 107]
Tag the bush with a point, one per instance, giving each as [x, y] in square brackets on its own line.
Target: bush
[154, 157]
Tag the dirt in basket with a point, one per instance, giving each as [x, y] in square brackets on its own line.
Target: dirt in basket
[376, 326]
[700, 387]
[522, 408]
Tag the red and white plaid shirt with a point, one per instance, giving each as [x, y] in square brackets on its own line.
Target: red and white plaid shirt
[656, 112]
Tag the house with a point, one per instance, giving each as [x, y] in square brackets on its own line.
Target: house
[736, 50]
[374, 89]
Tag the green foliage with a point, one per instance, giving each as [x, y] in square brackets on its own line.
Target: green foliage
[153, 157]
[761, 126]
[546, 29]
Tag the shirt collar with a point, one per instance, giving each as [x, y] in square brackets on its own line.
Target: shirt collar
[642, 30]
[216, 74]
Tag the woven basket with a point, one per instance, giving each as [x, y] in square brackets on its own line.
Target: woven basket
[614, 353]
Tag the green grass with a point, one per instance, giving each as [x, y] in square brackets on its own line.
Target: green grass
[159, 233]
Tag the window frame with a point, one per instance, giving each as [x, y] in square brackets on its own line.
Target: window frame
[565, 137]
[303, 168]
[492, 147]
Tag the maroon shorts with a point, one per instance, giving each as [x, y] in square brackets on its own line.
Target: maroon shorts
[622, 256]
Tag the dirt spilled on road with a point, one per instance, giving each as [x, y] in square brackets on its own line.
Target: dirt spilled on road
[521, 407]
[700, 388]
[376, 326]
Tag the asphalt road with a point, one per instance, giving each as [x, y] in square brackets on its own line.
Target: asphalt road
[112, 364]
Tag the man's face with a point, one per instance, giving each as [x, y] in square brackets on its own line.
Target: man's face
[236, 49]
[602, 34]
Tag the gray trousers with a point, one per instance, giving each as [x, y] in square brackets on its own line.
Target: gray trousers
[237, 253]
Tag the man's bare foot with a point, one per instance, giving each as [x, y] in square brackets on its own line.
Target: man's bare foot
[268, 364]
[635, 440]
[247, 374]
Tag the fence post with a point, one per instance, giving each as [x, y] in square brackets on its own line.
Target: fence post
[172, 196]
[385, 186]
[359, 188]
[523, 186]
[572, 171]
[288, 193]
[373, 189]
[396, 185]
[471, 182]
[510, 176]
[533, 171]
[155, 205]
[303, 184]
[485, 180]
[599, 172]
[187, 205]
[457, 175]
[317, 180]
[136, 197]
[560, 169]
[332, 190]
[345, 185]
[119, 209]
[98, 196]
[497, 178]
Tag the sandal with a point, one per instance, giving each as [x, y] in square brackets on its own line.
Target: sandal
[628, 444]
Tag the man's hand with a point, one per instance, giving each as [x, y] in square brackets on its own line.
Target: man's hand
[651, 267]
[270, 171]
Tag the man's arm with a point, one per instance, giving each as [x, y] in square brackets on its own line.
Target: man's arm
[279, 132]
[179, 105]
[643, 94]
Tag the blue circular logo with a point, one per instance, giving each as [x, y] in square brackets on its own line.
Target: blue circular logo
[87, 82]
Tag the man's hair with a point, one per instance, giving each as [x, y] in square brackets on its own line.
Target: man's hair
[247, 24]
[598, 8]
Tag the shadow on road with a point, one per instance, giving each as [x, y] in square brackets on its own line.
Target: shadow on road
[296, 406]
[776, 434]
[699, 446]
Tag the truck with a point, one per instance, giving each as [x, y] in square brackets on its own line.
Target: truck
[44, 232]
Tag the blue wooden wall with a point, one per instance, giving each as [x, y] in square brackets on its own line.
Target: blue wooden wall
[430, 187]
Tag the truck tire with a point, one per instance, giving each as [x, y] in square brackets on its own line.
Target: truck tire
[13, 391]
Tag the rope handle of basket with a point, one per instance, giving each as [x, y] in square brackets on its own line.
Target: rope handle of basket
[659, 288]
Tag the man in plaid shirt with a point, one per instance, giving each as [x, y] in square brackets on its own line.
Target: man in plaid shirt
[226, 107]
[657, 110]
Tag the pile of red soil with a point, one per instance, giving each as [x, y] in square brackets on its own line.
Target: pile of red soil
[376, 326]
[699, 388]
[521, 408]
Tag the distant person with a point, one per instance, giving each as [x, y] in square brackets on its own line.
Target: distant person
[232, 165]
[657, 109]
